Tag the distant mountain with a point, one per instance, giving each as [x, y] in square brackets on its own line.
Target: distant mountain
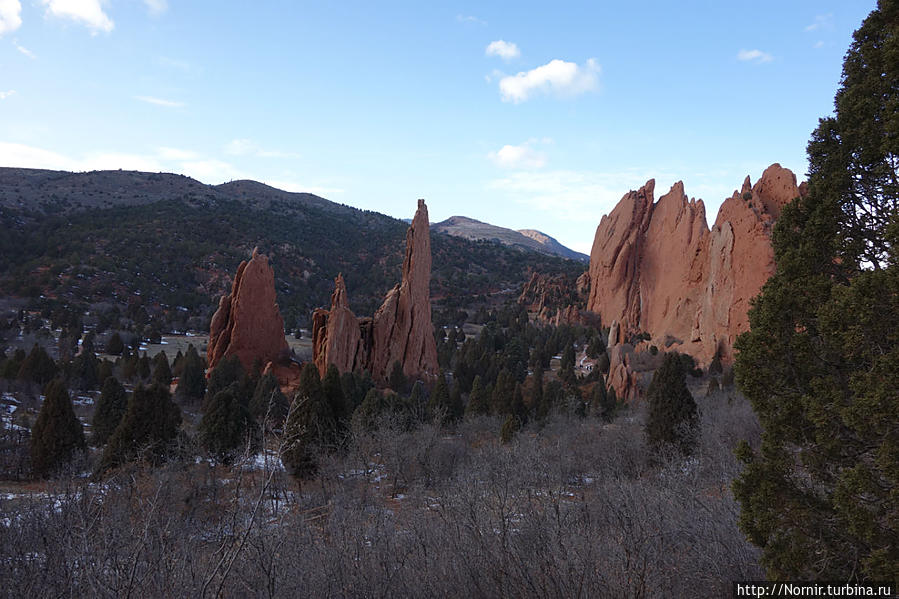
[170, 244]
[527, 239]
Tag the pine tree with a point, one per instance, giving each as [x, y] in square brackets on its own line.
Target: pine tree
[57, 433]
[268, 401]
[162, 373]
[478, 400]
[310, 425]
[511, 425]
[821, 359]
[439, 404]
[227, 427]
[115, 346]
[109, 410]
[38, 367]
[192, 382]
[148, 429]
[672, 420]
[501, 401]
[333, 391]
[602, 403]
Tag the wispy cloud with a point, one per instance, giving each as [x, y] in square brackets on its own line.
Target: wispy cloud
[86, 12]
[818, 44]
[503, 49]
[181, 65]
[10, 15]
[522, 156]
[470, 19]
[820, 22]
[556, 77]
[248, 147]
[156, 7]
[6, 94]
[756, 56]
[23, 49]
[160, 101]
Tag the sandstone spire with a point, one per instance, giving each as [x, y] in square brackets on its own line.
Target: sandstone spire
[247, 323]
[401, 329]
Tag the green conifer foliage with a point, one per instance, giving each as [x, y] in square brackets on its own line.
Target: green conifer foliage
[192, 382]
[57, 433]
[148, 429]
[821, 360]
[268, 401]
[227, 428]
[162, 372]
[310, 426]
[38, 367]
[109, 410]
[672, 420]
[478, 400]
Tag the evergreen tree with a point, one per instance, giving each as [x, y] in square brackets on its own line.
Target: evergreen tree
[397, 379]
[84, 370]
[602, 403]
[148, 429]
[268, 400]
[539, 401]
[672, 419]
[478, 400]
[108, 413]
[517, 407]
[333, 391]
[511, 425]
[162, 373]
[439, 404]
[310, 425]
[566, 365]
[144, 367]
[229, 371]
[104, 371]
[501, 401]
[192, 382]
[821, 359]
[227, 427]
[115, 346]
[57, 433]
[38, 367]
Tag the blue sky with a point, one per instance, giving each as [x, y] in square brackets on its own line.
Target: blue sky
[526, 115]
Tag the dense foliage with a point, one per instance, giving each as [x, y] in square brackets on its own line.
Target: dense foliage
[821, 362]
[57, 434]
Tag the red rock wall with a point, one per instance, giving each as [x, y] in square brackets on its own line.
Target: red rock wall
[656, 267]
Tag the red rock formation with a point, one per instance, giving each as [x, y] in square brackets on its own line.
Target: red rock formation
[247, 323]
[339, 342]
[401, 329]
[556, 299]
[656, 267]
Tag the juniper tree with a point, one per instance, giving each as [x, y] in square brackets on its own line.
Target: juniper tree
[148, 430]
[310, 425]
[57, 433]
[162, 372]
[192, 381]
[110, 408]
[672, 420]
[821, 359]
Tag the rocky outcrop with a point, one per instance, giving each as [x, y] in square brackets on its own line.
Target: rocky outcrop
[556, 299]
[656, 267]
[401, 329]
[247, 323]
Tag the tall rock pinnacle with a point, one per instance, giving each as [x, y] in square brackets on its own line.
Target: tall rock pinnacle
[401, 329]
[247, 323]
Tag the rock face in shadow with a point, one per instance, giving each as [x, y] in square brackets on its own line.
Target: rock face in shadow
[247, 323]
[401, 329]
[657, 268]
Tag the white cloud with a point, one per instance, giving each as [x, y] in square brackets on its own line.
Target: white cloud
[522, 156]
[756, 56]
[164, 159]
[819, 44]
[503, 49]
[248, 147]
[87, 12]
[159, 101]
[23, 49]
[820, 22]
[470, 20]
[557, 77]
[10, 15]
[167, 153]
[156, 7]
[6, 94]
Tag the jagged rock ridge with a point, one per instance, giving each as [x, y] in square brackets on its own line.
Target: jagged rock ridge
[401, 329]
[656, 267]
